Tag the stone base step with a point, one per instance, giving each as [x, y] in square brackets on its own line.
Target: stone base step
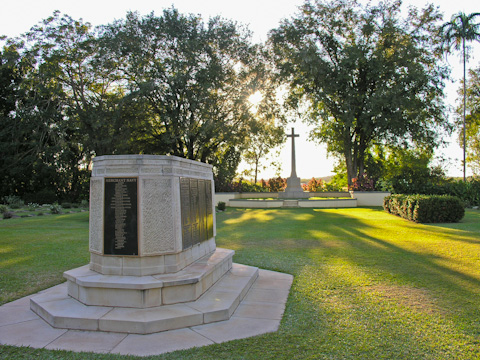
[290, 203]
[60, 310]
[91, 288]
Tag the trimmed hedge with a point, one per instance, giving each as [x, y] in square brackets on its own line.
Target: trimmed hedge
[425, 208]
[221, 206]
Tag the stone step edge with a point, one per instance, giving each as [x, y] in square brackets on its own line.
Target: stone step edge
[208, 315]
[83, 275]
[94, 289]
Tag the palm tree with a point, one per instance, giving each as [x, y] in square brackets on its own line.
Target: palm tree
[457, 31]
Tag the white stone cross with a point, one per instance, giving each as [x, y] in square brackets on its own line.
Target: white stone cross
[293, 136]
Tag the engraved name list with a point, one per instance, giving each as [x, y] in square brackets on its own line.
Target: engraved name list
[121, 223]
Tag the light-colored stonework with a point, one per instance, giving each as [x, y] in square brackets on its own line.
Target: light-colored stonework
[165, 283]
[159, 218]
[92, 288]
[163, 272]
[294, 188]
[96, 215]
[369, 198]
[183, 304]
[259, 312]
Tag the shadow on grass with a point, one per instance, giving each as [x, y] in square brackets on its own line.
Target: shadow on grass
[343, 257]
[374, 238]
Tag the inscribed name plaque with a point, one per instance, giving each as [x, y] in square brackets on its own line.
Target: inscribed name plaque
[121, 220]
[196, 206]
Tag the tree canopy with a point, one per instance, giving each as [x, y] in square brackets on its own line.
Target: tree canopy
[366, 76]
[170, 84]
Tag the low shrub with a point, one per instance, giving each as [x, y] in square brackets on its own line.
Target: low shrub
[362, 183]
[33, 206]
[66, 205]
[13, 201]
[242, 186]
[221, 206]
[276, 184]
[467, 191]
[8, 215]
[55, 209]
[3, 209]
[313, 185]
[425, 208]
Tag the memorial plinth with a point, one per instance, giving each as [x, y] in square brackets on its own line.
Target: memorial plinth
[149, 214]
[151, 219]
[154, 265]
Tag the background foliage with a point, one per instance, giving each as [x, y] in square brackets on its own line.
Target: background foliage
[367, 76]
[171, 84]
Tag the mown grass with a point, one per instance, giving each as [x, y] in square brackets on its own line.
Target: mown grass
[27, 211]
[34, 252]
[368, 285]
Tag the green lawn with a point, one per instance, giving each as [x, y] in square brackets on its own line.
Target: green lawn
[34, 252]
[368, 285]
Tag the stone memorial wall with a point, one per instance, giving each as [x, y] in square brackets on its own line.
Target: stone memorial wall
[149, 214]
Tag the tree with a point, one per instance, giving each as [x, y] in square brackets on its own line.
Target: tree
[95, 104]
[63, 105]
[265, 133]
[70, 93]
[410, 171]
[194, 79]
[460, 29]
[366, 76]
[473, 120]
[314, 185]
[163, 85]
[266, 125]
[260, 141]
[28, 135]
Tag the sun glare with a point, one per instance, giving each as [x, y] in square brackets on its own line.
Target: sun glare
[255, 98]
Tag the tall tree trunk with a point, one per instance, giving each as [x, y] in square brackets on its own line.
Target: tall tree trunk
[351, 168]
[464, 112]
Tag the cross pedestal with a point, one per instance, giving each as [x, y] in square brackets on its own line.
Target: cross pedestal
[294, 188]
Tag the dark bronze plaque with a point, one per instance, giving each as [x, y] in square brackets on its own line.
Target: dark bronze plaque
[196, 206]
[208, 207]
[186, 213]
[194, 211]
[121, 226]
[202, 210]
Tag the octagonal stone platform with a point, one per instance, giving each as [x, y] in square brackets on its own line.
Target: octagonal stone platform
[218, 303]
[259, 312]
[92, 288]
[154, 265]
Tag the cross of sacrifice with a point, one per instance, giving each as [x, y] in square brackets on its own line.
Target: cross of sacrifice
[293, 136]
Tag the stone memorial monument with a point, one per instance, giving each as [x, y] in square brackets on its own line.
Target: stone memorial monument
[294, 188]
[152, 252]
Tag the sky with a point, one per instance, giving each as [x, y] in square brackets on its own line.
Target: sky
[18, 16]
